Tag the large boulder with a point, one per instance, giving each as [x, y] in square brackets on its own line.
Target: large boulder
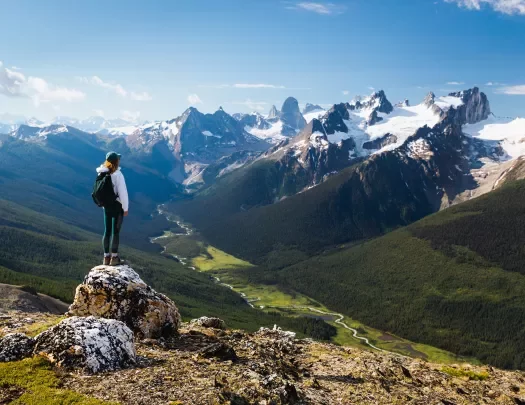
[119, 293]
[15, 346]
[91, 344]
[207, 322]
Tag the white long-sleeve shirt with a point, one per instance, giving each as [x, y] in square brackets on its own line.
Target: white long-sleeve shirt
[119, 186]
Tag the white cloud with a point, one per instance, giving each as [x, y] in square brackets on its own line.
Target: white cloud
[252, 105]
[257, 86]
[502, 6]
[346, 92]
[455, 83]
[518, 90]
[371, 88]
[82, 79]
[131, 116]
[115, 87]
[100, 113]
[144, 96]
[194, 99]
[318, 7]
[16, 84]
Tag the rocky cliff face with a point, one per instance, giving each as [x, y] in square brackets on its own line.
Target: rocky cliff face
[291, 114]
[475, 108]
[273, 113]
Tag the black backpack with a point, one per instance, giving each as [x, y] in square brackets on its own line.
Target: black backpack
[103, 194]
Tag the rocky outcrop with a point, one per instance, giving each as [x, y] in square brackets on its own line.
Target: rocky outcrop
[206, 322]
[291, 115]
[404, 103]
[381, 142]
[334, 120]
[430, 99]
[273, 114]
[91, 344]
[475, 108]
[15, 346]
[380, 103]
[373, 118]
[255, 120]
[119, 293]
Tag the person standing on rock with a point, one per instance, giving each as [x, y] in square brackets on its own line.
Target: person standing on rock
[111, 193]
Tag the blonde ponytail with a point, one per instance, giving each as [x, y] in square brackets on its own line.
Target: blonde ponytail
[112, 167]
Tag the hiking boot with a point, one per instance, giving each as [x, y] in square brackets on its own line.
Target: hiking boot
[115, 261]
[107, 260]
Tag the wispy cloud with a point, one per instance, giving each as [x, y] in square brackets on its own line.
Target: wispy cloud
[321, 8]
[518, 90]
[502, 6]
[455, 83]
[252, 105]
[115, 88]
[144, 96]
[346, 92]
[243, 86]
[257, 86]
[131, 116]
[194, 99]
[16, 84]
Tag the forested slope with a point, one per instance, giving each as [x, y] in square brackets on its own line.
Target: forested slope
[455, 279]
[53, 257]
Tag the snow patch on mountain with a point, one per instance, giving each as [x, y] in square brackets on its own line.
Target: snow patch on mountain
[315, 114]
[510, 133]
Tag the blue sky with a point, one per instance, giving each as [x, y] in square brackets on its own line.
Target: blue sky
[152, 59]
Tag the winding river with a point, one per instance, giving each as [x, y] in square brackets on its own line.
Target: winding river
[250, 301]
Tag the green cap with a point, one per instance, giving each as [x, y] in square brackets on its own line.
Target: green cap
[112, 157]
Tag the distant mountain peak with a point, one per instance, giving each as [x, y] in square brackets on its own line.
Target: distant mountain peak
[274, 112]
[291, 114]
[308, 108]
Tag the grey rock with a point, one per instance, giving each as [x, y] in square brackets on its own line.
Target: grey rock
[221, 351]
[90, 344]
[381, 142]
[373, 118]
[15, 346]
[430, 99]
[207, 322]
[475, 108]
[119, 293]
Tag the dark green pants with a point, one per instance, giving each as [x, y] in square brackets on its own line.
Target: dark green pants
[113, 219]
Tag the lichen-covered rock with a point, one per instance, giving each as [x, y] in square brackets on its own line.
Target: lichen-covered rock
[119, 293]
[15, 346]
[91, 344]
[221, 351]
[207, 322]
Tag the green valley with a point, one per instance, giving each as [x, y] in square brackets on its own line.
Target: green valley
[453, 280]
[232, 272]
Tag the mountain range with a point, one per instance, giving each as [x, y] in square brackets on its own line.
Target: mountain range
[284, 190]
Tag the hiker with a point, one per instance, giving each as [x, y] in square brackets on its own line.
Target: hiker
[111, 193]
